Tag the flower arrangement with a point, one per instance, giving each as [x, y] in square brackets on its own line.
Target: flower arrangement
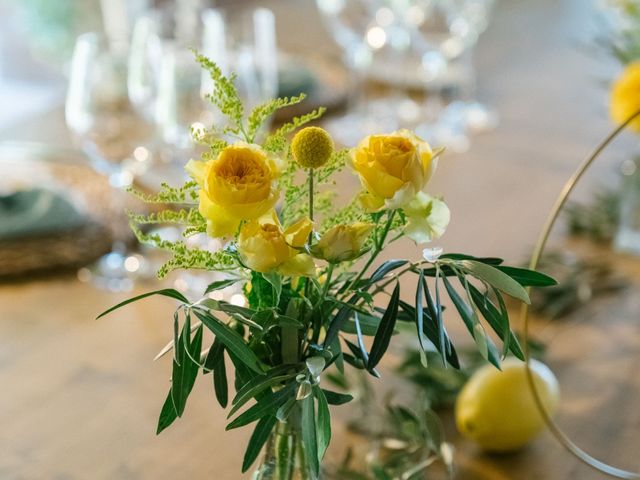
[306, 267]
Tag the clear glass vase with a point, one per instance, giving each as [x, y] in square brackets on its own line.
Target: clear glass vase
[284, 455]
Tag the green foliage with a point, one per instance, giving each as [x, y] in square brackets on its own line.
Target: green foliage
[294, 328]
[624, 41]
[277, 141]
[186, 194]
[262, 112]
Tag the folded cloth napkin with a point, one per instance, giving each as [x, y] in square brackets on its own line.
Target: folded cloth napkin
[36, 212]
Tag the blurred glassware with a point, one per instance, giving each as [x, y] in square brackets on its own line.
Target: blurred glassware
[170, 88]
[348, 22]
[107, 127]
[445, 33]
[421, 45]
[627, 238]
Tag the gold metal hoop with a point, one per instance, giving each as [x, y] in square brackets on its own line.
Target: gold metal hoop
[562, 437]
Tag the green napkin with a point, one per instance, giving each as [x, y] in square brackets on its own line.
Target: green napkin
[34, 212]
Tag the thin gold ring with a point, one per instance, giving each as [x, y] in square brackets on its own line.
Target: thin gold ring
[560, 435]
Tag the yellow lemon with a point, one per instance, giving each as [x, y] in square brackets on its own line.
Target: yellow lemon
[496, 409]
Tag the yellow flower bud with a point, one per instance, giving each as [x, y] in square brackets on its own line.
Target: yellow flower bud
[265, 247]
[625, 95]
[343, 242]
[312, 147]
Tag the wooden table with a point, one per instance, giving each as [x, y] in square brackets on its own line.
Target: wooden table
[81, 398]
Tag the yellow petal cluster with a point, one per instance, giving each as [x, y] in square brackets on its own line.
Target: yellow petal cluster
[265, 247]
[240, 184]
[393, 168]
[625, 95]
[343, 242]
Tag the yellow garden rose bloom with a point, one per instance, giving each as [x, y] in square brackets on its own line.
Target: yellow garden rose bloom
[343, 242]
[265, 247]
[427, 217]
[237, 185]
[393, 168]
[625, 95]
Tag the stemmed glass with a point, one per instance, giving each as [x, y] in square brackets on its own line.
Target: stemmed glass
[169, 88]
[444, 34]
[413, 44]
[113, 134]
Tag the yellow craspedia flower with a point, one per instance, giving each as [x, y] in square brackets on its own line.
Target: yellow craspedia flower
[625, 95]
[312, 147]
[393, 168]
[240, 184]
[343, 242]
[265, 247]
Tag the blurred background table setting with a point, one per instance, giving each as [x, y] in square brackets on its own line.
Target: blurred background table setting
[104, 97]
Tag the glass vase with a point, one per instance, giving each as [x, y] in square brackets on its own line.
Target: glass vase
[284, 455]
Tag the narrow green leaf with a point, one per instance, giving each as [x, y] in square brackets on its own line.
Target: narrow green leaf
[385, 268]
[385, 331]
[323, 430]
[497, 319]
[167, 415]
[309, 436]
[431, 331]
[338, 321]
[335, 398]
[496, 278]
[528, 278]
[185, 372]
[167, 292]
[504, 315]
[257, 385]
[462, 256]
[266, 406]
[419, 313]
[276, 283]
[468, 317]
[368, 324]
[361, 345]
[220, 284]
[214, 356]
[436, 316]
[220, 382]
[258, 438]
[231, 339]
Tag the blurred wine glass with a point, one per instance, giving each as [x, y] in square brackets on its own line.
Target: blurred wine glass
[170, 88]
[445, 33]
[115, 137]
[348, 22]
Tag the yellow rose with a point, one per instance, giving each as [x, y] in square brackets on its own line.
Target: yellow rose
[237, 185]
[427, 217]
[625, 95]
[343, 242]
[265, 247]
[393, 168]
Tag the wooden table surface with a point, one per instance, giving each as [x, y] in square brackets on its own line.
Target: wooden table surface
[81, 397]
